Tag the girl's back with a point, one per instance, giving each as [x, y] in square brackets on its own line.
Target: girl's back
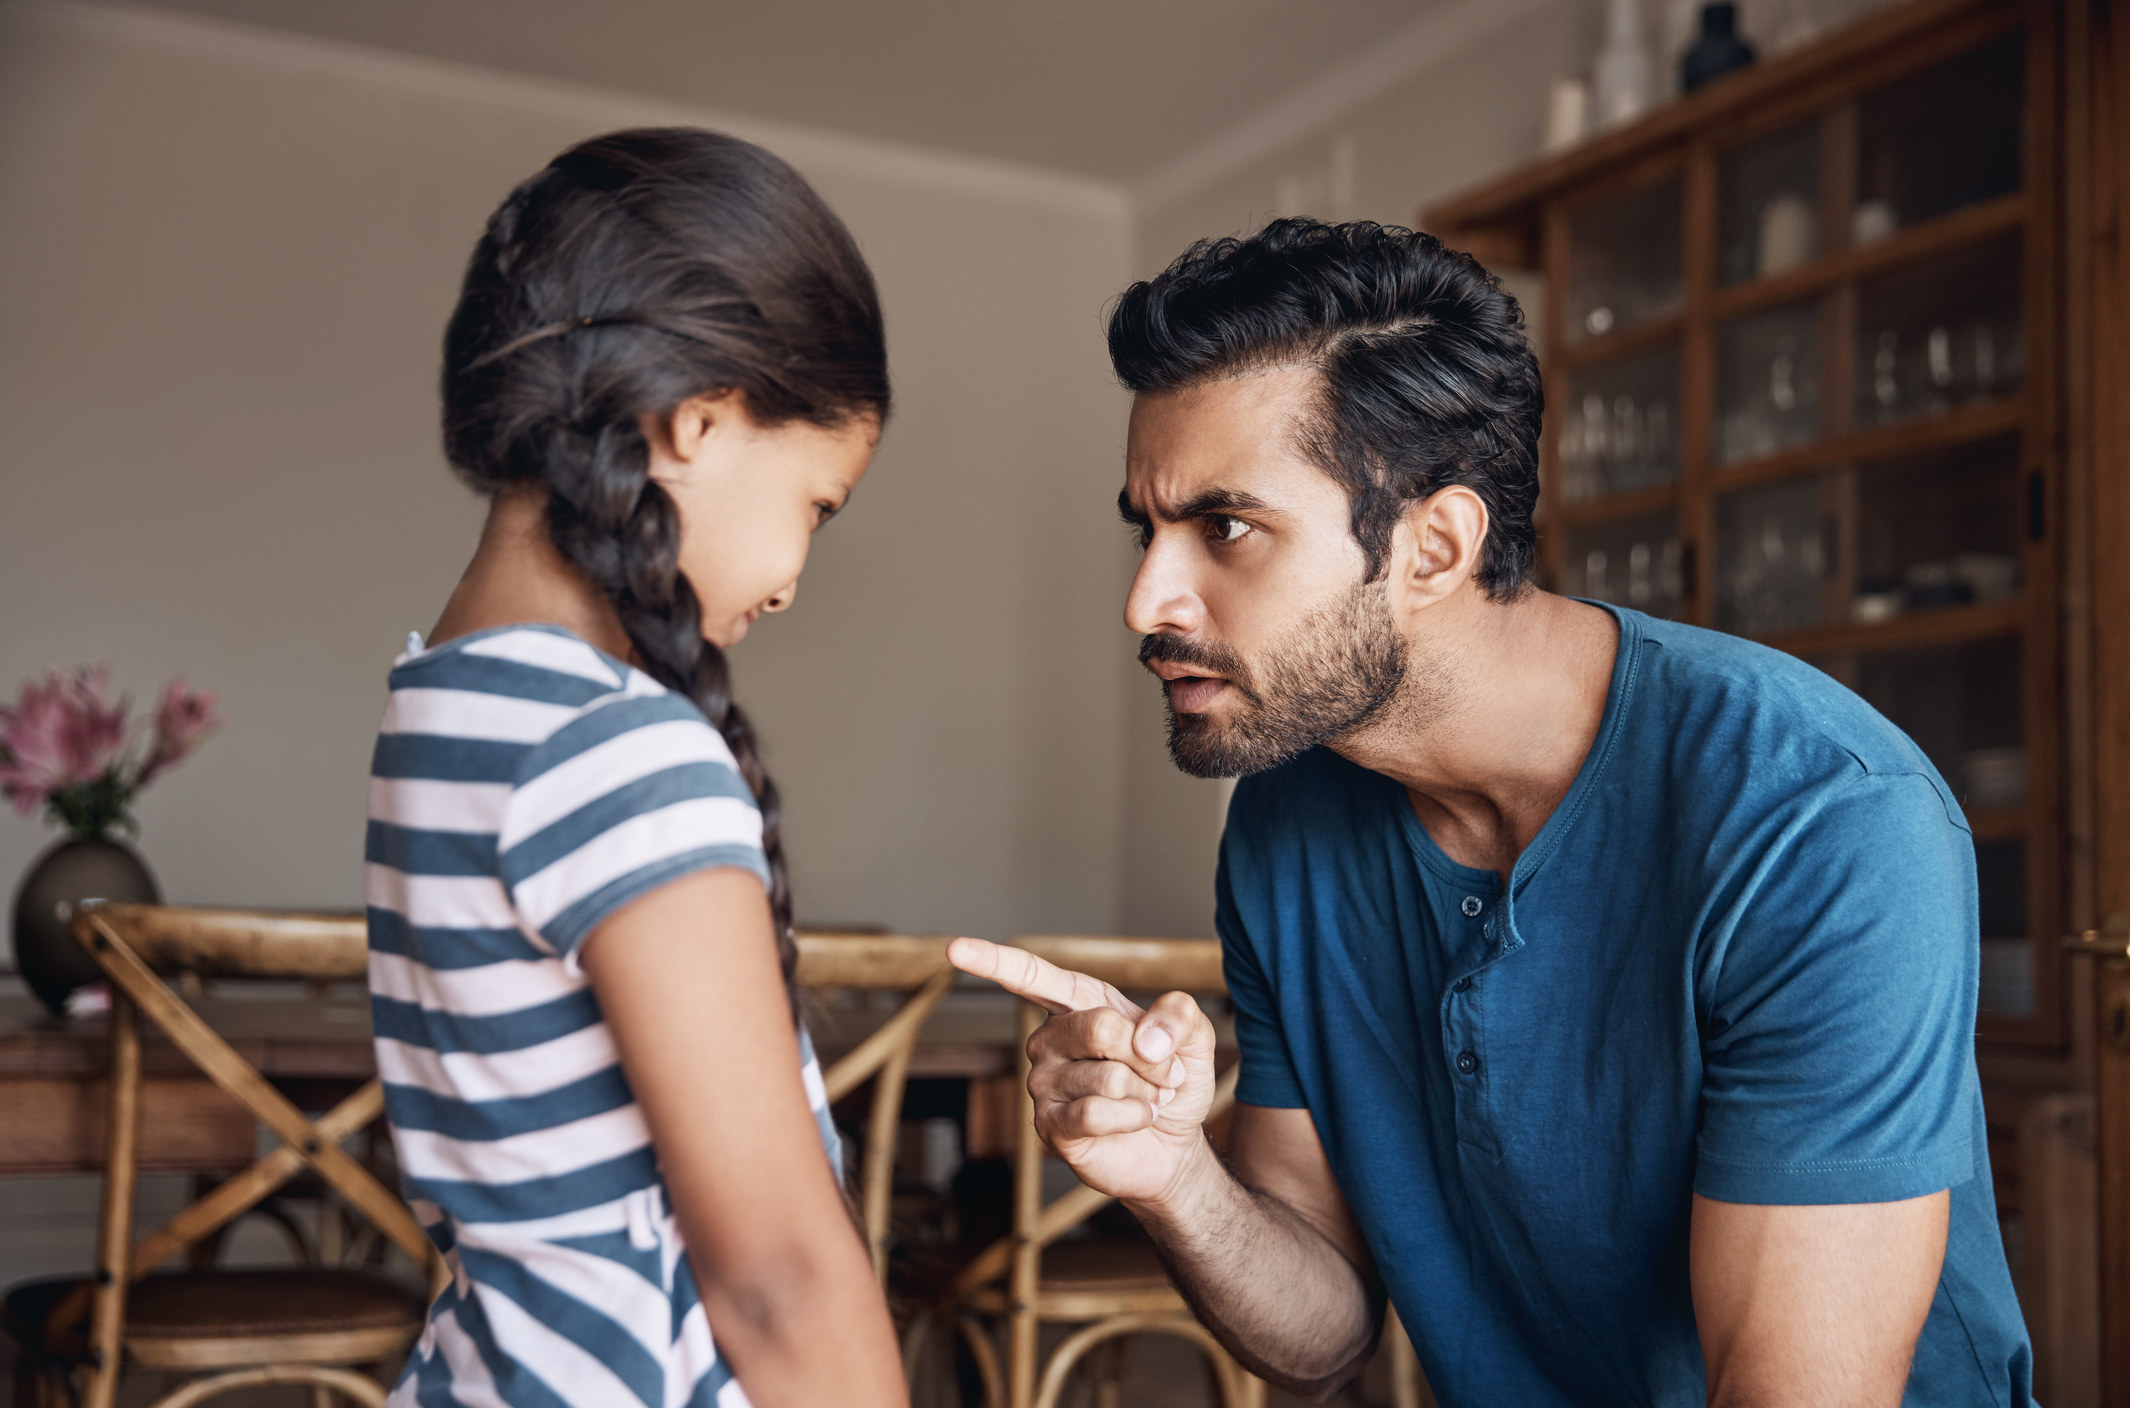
[666, 369]
[525, 787]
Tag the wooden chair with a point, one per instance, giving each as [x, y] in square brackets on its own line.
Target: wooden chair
[1108, 1288]
[232, 1328]
[1408, 1386]
[874, 963]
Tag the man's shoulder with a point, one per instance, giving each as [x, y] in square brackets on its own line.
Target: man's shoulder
[1730, 704]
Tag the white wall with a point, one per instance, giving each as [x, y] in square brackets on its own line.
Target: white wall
[228, 261]
[1470, 108]
[229, 255]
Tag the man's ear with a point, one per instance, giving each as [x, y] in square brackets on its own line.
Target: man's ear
[1436, 547]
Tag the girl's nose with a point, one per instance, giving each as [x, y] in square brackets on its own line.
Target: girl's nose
[782, 600]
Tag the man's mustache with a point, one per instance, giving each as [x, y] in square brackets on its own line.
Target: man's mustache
[1213, 659]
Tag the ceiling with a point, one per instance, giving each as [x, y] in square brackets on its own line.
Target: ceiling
[1108, 88]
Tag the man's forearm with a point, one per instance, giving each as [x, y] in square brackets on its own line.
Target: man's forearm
[1276, 1291]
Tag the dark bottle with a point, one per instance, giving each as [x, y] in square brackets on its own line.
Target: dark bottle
[1717, 50]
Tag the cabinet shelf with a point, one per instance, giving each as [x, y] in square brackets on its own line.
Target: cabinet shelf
[1945, 625]
[1614, 346]
[1613, 507]
[1941, 235]
[1963, 425]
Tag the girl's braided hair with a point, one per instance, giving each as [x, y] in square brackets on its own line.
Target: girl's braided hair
[637, 270]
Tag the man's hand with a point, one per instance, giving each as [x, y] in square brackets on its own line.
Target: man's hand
[1121, 1093]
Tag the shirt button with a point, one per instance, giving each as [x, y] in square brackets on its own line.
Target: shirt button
[1471, 906]
[1467, 1063]
[1461, 985]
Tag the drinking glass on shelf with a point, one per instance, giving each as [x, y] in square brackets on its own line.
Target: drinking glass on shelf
[1938, 359]
[1982, 342]
[1885, 375]
[1939, 333]
[1782, 376]
[1624, 445]
[1657, 450]
[1773, 556]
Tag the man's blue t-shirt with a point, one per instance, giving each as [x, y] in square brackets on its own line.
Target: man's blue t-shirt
[1739, 959]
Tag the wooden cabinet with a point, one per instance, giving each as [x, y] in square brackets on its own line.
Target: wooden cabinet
[1837, 356]
[1803, 337]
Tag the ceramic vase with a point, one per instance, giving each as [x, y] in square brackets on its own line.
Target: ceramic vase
[1624, 74]
[67, 876]
[1717, 50]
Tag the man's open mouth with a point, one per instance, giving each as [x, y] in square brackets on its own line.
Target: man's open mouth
[1192, 694]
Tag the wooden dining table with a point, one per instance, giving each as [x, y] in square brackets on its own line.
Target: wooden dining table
[316, 1046]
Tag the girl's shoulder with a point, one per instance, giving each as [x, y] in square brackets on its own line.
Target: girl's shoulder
[550, 698]
[548, 664]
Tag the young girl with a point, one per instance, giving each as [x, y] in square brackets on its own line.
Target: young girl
[665, 371]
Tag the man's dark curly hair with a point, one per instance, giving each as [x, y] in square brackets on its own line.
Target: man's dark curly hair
[1427, 380]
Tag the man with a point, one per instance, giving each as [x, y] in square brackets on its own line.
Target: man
[1605, 987]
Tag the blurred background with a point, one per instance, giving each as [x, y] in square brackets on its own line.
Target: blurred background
[1790, 377]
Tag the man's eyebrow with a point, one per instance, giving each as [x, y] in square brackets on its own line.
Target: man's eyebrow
[1202, 504]
[1217, 500]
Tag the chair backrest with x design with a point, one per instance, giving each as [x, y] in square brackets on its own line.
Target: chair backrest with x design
[878, 962]
[1016, 1259]
[137, 946]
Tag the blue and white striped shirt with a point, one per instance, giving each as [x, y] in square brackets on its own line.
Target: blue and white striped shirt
[526, 786]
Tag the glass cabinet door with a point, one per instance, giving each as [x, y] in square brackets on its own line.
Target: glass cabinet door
[1624, 262]
[1629, 562]
[1768, 382]
[1768, 205]
[1946, 138]
[1778, 556]
[1619, 429]
[1941, 334]
[1788, 396]
[1939, 529]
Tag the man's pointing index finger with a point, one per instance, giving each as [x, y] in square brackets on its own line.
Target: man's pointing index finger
[1022, 973]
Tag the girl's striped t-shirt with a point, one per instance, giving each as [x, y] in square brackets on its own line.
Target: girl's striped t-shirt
[525, 786]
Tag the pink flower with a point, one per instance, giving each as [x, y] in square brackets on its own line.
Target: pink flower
[182, 720]
[65, 745]
[94, 732]
[32, 741]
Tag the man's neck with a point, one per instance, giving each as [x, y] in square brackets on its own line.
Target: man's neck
[1495, 721]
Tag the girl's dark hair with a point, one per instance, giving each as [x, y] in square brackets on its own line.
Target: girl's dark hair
[1427, 380]
[637, 270]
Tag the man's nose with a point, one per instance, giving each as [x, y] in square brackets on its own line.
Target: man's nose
[1163, 598]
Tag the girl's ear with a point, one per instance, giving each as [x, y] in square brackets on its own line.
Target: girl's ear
[693, 424]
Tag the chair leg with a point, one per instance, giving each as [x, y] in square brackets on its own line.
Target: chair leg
[1106, 1365]
[38, 1386]
[986, 1356]
[1408, 1388]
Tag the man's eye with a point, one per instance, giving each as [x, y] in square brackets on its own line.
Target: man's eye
[1223, 529]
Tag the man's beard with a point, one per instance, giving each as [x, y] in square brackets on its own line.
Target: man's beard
[1332, 673]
